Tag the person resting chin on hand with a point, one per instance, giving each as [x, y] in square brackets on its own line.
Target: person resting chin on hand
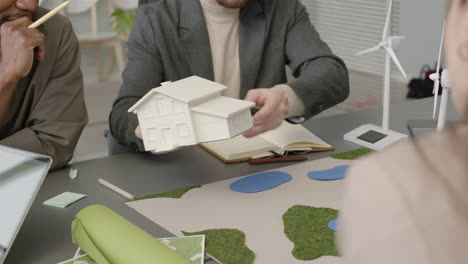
[42, 106]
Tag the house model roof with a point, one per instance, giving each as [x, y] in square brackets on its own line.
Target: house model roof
[188, 90]
[222, 106]
[192, 91]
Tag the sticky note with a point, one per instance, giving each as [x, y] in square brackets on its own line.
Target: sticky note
[65, 199]
[73, 174]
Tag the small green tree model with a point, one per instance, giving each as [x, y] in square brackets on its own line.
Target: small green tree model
[122, 21]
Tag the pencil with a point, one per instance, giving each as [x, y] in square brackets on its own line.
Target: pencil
[116, 189]
[47, 16]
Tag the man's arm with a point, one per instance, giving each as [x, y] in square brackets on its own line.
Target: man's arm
[143, 72]
[7, 89]
[321, 77]
[57, 120]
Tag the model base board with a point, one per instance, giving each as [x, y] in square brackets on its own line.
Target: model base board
[258, 215]
[374, 137]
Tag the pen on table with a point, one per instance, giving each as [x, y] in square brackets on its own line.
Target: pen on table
[50, 14]
[274, 160]
[116, 189]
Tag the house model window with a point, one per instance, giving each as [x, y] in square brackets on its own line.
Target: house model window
[188, 112]
[178, 107]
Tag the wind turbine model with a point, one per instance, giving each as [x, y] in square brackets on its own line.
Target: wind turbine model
[372, 136]
[417, 127]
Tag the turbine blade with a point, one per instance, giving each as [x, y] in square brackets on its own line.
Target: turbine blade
[395, 60]
[397, 37]
[374, 49]
[440, 56]
[437, 81]
[387, 21]
[439, 59]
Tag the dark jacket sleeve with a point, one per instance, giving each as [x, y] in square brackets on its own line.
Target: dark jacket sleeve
[143, 72]
[321, 77]
[57, 120]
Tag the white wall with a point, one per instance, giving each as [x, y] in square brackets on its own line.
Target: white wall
[421, 22]
[82, 23]
[362, 21]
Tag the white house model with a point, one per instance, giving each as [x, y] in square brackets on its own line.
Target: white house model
[188, 112]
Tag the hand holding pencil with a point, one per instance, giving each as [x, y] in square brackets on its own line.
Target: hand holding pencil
[49, 15]
[19, 39]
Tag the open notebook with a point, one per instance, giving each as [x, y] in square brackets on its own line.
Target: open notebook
[286, 138]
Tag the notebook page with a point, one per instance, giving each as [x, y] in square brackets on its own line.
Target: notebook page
[240, 147]
[288, 134]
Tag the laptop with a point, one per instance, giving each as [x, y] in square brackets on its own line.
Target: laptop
[21, 175]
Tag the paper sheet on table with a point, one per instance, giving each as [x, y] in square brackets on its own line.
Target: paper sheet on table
[65, 199]
[191, 247]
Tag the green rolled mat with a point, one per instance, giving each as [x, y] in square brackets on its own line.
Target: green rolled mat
[109, 238]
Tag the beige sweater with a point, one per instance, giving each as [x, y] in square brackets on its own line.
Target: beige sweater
[223, 24]
[409, 204]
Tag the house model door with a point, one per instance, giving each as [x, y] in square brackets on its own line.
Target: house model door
[168, 137]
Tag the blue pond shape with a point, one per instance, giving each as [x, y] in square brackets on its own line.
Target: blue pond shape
[333, 224]
[334, 174]
[260, 182]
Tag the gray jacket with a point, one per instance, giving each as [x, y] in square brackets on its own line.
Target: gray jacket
[170, 41]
